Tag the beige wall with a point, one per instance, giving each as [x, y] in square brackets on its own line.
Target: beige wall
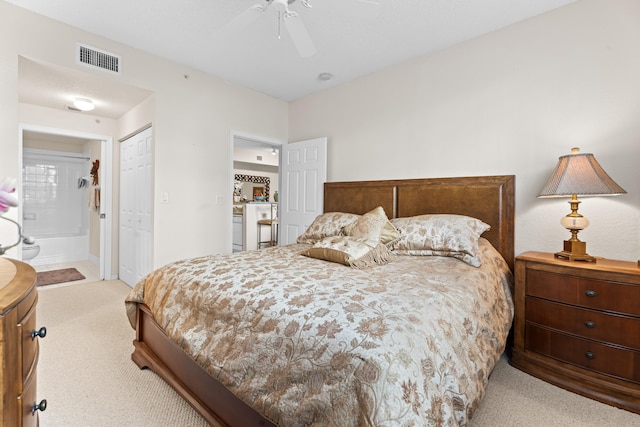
[510, 102]
[192, 121]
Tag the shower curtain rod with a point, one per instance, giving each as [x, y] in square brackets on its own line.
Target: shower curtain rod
[72, 157]
[54, 154]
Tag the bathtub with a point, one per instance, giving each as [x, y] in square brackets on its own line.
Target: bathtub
[60, 249]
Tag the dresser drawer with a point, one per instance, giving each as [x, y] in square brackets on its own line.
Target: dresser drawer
[27, 304]
[29, 345]
[27, 402]
[595, 325]
[590, 293]
[602, 358]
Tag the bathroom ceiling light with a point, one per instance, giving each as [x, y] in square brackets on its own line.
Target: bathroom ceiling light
[83, 104]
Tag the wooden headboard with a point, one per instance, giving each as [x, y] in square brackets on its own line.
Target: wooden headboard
[488, 198]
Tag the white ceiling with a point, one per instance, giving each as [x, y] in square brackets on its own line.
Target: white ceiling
[352, 38]
[53, 86]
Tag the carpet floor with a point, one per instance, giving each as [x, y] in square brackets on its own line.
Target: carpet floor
[86, 374]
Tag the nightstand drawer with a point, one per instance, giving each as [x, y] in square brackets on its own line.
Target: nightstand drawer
[590, 293]
[595, 325]
[30, 418]
[29, 344]
[605, 359]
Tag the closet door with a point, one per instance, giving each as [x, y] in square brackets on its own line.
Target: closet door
[135, 207]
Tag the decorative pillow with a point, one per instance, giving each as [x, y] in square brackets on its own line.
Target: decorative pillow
[348, 251]
[441, 235]
[367, 228]
[326, 225]
[389, 233]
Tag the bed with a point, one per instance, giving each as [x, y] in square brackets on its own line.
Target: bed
[275, 337]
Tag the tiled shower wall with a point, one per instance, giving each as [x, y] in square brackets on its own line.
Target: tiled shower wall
[53, 205]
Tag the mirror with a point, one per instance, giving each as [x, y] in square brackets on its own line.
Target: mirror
[250, 185]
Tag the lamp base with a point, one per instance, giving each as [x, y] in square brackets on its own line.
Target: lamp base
[575, 250]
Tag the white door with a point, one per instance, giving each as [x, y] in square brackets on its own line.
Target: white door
[135, 207]
[303, 174]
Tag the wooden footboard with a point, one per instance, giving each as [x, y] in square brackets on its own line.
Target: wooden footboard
[217, 405]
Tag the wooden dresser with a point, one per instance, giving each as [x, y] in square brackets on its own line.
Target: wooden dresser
[18, 345]
[577, 325]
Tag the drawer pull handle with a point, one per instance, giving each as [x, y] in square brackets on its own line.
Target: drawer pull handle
[590, 293]
[42, 332]
[589, 355]
[589, 324]
[42, 406]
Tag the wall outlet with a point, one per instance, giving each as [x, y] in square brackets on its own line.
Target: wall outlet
[219, 200]
[29, 216]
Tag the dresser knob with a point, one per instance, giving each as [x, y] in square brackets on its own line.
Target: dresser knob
[42, 332]
[42, 406]
[590, 293]
[589, 355]
[589, 324]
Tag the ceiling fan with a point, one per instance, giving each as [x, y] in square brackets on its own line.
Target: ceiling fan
[291, 19]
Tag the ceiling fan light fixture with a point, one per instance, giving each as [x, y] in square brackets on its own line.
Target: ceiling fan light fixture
[83, 104]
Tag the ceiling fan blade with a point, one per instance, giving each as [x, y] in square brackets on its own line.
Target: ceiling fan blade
[244, 19]
[300, 36]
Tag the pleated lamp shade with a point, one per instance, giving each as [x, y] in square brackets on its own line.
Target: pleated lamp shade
[578, 174]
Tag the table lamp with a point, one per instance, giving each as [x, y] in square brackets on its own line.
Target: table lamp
[578, 174]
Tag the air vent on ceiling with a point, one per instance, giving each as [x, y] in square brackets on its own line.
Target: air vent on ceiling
[98, 58]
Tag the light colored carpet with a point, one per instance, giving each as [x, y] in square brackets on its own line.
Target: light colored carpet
[86, 374]
[85, 370]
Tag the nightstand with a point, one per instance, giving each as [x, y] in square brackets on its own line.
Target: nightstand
[577, 325]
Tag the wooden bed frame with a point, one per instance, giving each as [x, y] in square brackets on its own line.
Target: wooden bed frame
[488, 198]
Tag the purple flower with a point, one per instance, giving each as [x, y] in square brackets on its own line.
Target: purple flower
[7, 186]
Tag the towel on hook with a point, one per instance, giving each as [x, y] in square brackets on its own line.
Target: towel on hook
[94, 198]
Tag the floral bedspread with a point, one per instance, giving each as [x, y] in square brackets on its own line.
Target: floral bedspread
[310, 342]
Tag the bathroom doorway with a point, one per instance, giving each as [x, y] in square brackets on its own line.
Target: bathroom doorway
[81, 162]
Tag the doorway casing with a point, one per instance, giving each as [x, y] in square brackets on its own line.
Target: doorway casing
[271, 143]
[106, 193]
